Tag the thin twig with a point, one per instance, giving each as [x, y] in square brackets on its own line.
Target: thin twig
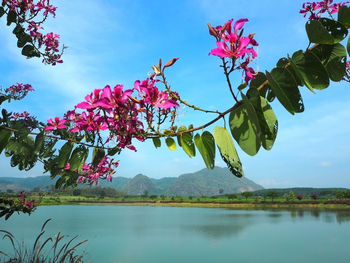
[227, 75]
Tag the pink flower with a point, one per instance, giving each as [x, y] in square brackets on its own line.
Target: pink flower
[57, 124]
[236, 47]
[90, 100]
[248, 71]
[29, 204]
[223, 50]
[67, 167]
[103, 170]
[317, 8]
[112, 99]
[81, 179]
[109, 178]
[151, 94]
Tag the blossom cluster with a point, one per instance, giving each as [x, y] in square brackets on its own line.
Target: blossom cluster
[104, 170]
[24, 115]
[124, 115]
[232, 44]
[28, 120]
[316, 9]
[31, 7]
[26, 10]
[18, 91]
[25, 202]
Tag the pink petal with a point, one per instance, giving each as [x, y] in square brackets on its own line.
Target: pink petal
[239, 24]
[84, 105]
[221, 50]
[49, 128]
[167, 104]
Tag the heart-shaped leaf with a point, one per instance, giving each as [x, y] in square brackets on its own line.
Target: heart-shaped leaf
[206, 146]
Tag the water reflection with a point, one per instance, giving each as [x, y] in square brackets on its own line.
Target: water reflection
[172, 235]
[343, 217]
[236, 220]
[215, 231]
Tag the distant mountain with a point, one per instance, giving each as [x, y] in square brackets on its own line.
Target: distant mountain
[25, 184]
[163, 183]
[139, 185]
[204, 182]
[209, 182]
[118, 182]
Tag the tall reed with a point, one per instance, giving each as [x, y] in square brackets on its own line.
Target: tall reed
[60, 251]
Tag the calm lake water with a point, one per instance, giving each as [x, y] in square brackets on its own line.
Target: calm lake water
[132, 234]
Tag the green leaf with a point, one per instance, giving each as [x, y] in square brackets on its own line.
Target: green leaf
[270, 95]
[245, 126]
[18, 30]
[182, 128]
[59, 182]
[336, 66]
[79, 156]
[29, 51]
[5, 115]
[269, 125]
[39, 141]
[205, 144]
[284, 63]
[242, 86]
[5, 136]
[344, 15]
[310, 70]
[333, 57]
[22, 129]
[23, 39]
[286, 90]
[3, 98]
[97, 156]
[47, 150]
[227, 150]
[252, 93]
[11, 17]
[187, 144]
[156, 141]
[64, 154]
[113, 151]
[260, 79]
[170, 143]
[2, 11]
[325, 31]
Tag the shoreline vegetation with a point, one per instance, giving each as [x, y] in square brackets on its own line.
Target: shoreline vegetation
[267, 205]
[186, 202]
[292, 198]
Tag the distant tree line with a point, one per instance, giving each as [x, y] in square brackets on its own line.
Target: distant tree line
[90, 192]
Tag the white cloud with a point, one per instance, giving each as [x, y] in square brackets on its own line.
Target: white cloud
[325, 164]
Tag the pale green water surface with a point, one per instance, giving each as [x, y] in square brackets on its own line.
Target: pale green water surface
[135, 234]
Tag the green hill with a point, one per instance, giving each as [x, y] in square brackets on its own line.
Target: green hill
[204, 182]
[25, 184]
[209, 182]
[139, 185]
[163, 183]
[117, 183]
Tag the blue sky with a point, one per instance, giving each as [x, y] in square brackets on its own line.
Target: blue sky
[117, 42]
